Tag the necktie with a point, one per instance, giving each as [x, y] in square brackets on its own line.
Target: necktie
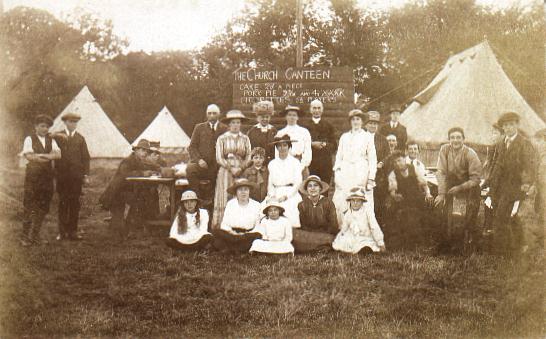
[508, 142]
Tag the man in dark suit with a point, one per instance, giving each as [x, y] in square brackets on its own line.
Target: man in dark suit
[72, 174]
[395, 127]
[202, 148]
[382, 152]
[323, 142]
[513, 173]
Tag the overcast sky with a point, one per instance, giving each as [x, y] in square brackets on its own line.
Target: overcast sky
[155, 25]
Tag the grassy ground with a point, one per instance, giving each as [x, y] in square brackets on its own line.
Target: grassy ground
[140, 288]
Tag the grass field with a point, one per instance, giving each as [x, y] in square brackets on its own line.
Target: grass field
[140, 288]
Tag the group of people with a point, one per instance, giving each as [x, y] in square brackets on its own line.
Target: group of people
[271, 188]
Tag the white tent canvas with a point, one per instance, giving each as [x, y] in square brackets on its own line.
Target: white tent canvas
[103, 138]
[471, 91]
[165, 129]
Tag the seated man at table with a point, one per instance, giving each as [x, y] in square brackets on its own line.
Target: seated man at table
[241, 216]
[119, 192]
[317, 217]
[148, 194]
[408, 197]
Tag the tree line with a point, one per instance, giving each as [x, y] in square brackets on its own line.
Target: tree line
[44, 61]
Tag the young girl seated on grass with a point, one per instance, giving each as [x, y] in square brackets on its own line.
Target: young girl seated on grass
[360, 232]
[276, 232]
[189, 229]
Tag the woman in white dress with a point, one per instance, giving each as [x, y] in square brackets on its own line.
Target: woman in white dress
[285, 177]
[360, 232]
[276, 232]
[356, 162]
[189, 231]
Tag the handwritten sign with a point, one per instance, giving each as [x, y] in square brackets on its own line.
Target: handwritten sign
[298, 86]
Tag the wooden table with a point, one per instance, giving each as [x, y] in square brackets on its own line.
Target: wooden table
[169, 182]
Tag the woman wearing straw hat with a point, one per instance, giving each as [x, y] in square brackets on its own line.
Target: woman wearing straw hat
[233, 152]
[356, 162]
[276, 231]
[317, 216]
[189, 231]
[360, 232]
[241, 216]
[285, 177]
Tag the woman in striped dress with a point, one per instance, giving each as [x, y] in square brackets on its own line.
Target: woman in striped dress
[233, 156]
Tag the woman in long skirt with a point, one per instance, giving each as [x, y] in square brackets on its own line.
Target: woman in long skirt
[232, 155]
[356, 162]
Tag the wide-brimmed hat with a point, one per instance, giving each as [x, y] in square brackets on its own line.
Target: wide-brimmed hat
[357, 113]
[189, 195]
[395, 108]
[506, 117]
[282, 139]
[289, 108]
[71, 116]
[243, 182]
[143, 144]
[324, 187]
[357, 193]
[263, 107]
[42, 118]
[155, 146]
[273, 203]
[234, 114]
[373, 116]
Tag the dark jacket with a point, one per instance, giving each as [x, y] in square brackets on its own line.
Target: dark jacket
[325, 132]
[259, 192]
[119, 190]
[263, 139]
[319, 218]
[512, 168]
[203, 142]
[75, 159]
[400, 133]
[381, 147]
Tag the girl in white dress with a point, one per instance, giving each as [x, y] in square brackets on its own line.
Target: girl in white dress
[276, 232]
[285, 177]
[360, 231]
[356, 162]
[189, 231]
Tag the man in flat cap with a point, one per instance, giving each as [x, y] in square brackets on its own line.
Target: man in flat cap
[202, 150]
[513, 174]
[395, 127]
[323, 142]
[263, 133]
[72, 172]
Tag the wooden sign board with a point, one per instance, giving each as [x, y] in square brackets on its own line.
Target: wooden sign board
[333, 86]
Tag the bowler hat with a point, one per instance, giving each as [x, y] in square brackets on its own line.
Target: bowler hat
[143, 144]
[324, 187]
[71, 116]
[263, 107]
[508, 116]
[273, 203]
[243, 182]
[289, 108]
[395, 108]
[43, 119]
[234, 114]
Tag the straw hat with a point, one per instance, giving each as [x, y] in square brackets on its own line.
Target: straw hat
[357, 113]
[240, 183]
[273, 203]
[263, 107]
[357, 193]
[189, 195]
[324, 187]
[289, 108]
[234, 114]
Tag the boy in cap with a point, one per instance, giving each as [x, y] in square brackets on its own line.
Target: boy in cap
[40, 150]
[263, 133]
[119, 193]
[72, 173]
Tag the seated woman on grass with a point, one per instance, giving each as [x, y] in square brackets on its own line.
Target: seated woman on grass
[317, 217]
[189, 229]
[360, 232]
[276, 231]
[241, 215]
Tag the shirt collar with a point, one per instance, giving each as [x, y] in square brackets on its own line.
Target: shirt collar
[213, 125]
[315, 120]
[263, 129]
[394, 124]
[510, 138]
[68, 132]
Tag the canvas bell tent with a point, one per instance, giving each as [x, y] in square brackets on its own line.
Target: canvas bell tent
[104, 140]
[165, 129]
[471, 91]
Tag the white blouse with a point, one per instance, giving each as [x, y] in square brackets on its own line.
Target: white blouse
[194, 231]
[303, 145]
[275, 230]
[356, 147]
[238, 216]
[284, 176]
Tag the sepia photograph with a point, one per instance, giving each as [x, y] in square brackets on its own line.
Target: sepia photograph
[272, 168]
